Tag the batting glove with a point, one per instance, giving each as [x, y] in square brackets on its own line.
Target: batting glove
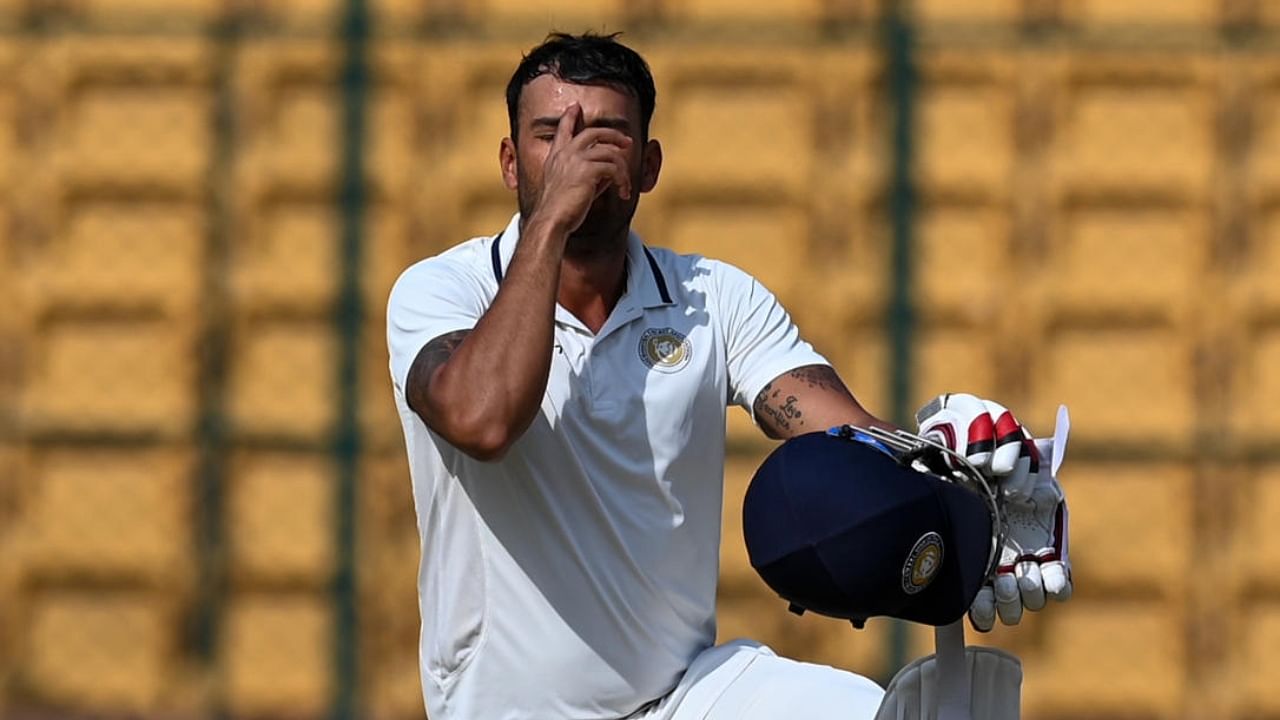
[986, 434]
[1034, 563]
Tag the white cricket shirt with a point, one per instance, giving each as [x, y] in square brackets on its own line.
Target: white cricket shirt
[576, 577]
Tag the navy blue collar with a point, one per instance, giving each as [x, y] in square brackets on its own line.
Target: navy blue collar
[644, 276]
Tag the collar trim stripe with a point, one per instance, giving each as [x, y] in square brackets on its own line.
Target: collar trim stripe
[496, 253]
[657, 276]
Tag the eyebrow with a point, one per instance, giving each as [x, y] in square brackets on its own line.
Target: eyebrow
[606, 122]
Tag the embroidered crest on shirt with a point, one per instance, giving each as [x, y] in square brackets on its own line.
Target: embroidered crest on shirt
[665, 349]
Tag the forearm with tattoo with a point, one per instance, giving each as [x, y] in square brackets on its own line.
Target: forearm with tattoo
[807, 399]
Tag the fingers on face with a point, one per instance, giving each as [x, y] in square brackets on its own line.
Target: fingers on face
[595, 136]
[612, 162]
[568, 123]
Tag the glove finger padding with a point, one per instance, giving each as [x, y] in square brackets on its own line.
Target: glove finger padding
[1057, 580]
[982, 614]
[1008, 599]
[1030, 584]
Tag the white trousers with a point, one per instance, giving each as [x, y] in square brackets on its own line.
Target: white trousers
[744, 680]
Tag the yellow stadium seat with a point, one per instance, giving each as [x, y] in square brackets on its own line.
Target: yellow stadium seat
[725, 138]
[391, 149]
[280, 518]
[1257, 383]
[769, 242]
[1200, 14]
[171, 13]
[9, 142]
[128, 255]
[777, 13]
[1096, 659]
[735, 567]
[860, 355]
[485, 216]
[465, 109]
[276, 655]
[386, 250]
[864, 651]
[754, 612]
[379, 418]
[551, 13]
[399, 13]
[288, 257]
[395, 687]
[1263, 169]
[302, 13]
[966, 129]
[1123, 384]
[740, 430]
[110, 376]
[14, 536]
[1258, 291]
[100, 652]
[131, 115]
[1254, 661]
[284, 380]
[1112, 553]
[389, 551]
[288, 103]
[1114, 133]
[1128, 262]
[953, 359]
[1255, 552]
[111, 514]
[960, 251]
[967, 11]
[853, 287]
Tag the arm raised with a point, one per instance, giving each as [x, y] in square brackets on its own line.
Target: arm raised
[480, 389]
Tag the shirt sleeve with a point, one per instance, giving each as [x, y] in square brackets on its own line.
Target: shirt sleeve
[761, 340]
[431, 298]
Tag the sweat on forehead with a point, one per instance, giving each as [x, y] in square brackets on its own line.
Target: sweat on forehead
[549, 97]
[587, 60]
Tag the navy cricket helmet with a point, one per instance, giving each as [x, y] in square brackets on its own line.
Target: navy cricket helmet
[842, 527]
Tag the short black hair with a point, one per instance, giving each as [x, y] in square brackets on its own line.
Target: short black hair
[587, 59]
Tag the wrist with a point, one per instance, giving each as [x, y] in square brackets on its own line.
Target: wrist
[540, 225]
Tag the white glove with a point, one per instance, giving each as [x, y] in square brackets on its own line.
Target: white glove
[986, 434]
[1034, 562]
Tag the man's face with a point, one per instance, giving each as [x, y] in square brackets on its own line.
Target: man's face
[542, 102]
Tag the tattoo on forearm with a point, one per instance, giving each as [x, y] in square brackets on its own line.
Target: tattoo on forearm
[433, 355]
[818, 377]
[775, 414]
[781, 415]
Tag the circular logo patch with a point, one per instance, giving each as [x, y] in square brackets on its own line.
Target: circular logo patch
[665, 349]
[922, 563]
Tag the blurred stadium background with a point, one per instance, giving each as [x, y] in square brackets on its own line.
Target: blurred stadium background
[204, 501]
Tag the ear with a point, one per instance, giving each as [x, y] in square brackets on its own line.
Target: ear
[509, 161]
[651, 165]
